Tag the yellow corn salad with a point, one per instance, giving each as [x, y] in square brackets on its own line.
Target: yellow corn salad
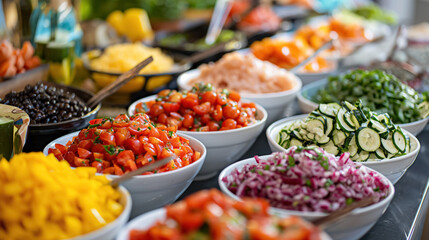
[42, 198]
[120, 58]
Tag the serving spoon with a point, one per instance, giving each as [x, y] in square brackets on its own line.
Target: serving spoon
[119, 82]
[149, 167]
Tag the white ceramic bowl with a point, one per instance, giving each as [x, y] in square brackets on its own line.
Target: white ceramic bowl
[352, 226]
[146, 220]
[223, 147]
[308, 106]
[149, 192]
[112, 229]
[274, 103]
[392, 168]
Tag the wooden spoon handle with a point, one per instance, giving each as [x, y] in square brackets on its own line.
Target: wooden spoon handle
[335, 215]
[119, 82]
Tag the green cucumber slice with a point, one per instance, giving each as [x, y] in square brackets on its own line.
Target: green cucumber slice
[330, 109]
[331, 148]
[339, 137]
[315, 126]
[321, 139]
[329, 126]
[399, 140]
[296, 134]
[372, 156]
[377, 126]
[294, 142]
[385, 118]
[348, 119]
[368, 139]
[379, 153]
[349, 106]
[341, 122]
[360, 116]
[388, 145]
[352, 146]
[363, 156]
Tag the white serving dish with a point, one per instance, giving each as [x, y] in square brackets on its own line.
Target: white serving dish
[352, 226]
[223, 147]
[274, 103]
[149, 192]
[112, 229]
[146, 220]
[392, 168]
[307, 106]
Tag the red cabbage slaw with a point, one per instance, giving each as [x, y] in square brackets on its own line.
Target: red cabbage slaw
[307, 179]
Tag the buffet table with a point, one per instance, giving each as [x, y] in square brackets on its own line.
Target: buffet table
[405, 217]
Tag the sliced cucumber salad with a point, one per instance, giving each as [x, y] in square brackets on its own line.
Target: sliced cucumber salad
[347, 128]
[379, 91]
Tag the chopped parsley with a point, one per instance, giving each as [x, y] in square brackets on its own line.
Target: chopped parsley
[291, 161]
[325, 163]
[110, 149]
[328, 183]
[94, 125]
[170, 133]
[97, 140]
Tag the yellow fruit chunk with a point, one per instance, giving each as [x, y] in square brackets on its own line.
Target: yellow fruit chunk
[137, 25]
[116, 20]
[42, 198]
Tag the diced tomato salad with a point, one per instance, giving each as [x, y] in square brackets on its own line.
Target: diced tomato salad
[209, 214]
[202, 109]
[117, 146]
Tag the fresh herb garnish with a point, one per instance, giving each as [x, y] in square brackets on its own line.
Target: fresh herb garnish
[94, 125]
[110, 149]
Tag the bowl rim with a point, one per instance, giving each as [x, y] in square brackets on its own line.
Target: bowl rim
[371, 207]
[304, 99]
[182, 81]
[157, 175]
[283, 122]
[257, 124]
[126, 211]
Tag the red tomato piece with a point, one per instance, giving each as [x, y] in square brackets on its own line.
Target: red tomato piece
[190, 100]
[134, 145]
[83, 153]
[125, 156]
[171, 107]
[202, 108]
[61, 148]
[108, 138]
